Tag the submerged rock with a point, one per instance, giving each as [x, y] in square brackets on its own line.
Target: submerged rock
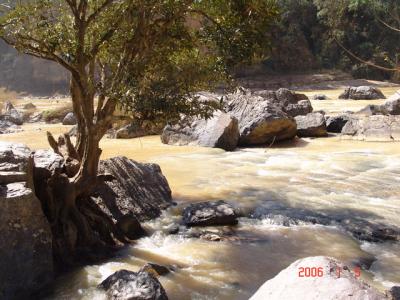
[155, 269]
[210, 214]
[319, 97]
[335, 124]
[127, 285]
[26, 262]
[220, 131]
[131, 227]
[138, 188]
[290, 285]
[311, 125]
[373, 128]
[362, 93]
[261, 121]
[69, 119]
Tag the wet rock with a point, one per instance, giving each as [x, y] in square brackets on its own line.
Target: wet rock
[362, 93]
[220, 131]
[261, 120]
[319, 97]
[335, 124]
[127, 285]
[29, 106]
[392, 105]
[311, 125]
[394, 293]
[210, 214]
[373, 128]
[26, 262]
[155, 269]
[138, 188]
[131, 227]
[69, 119]
[289, 286]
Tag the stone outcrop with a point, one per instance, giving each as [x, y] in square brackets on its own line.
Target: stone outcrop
[289, 285]
[373, 128]
[220, 131]
[138, 189]
[311, 125]
[69, 119]
[210, 214]
[335, 124]
[261, 120]
[11, 114]
[127, 285]
[362, 93]
[26, 262]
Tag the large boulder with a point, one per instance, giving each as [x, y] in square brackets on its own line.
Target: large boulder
[311, 125]
[7, 126]
[373, 128]
[392, 104]
[69, 119]
[26, 262]
[293, 284]
[335, 124]
[11, 114]
[261, 119]
[220, 131]
[138, 189]
[362, 93]
[210, 214]
[127, 285]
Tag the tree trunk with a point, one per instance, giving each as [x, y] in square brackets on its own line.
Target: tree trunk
[81, 231]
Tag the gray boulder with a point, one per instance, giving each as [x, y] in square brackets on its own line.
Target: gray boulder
[69, 119]
[373, 128]
[6, 126]
[392, 105]
[26, 262]
[394, 293]
[362, 93]
[292, 103]
[127, 285]
[210, 214]
[335, 124]
[11, 114]
[29, 106]
[289, 285]
[138, 189]
[261, 119]
[220, 131]
[371, 110]
[311, 125]
[130, 131]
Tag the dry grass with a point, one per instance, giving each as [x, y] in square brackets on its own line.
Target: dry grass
[57, 114]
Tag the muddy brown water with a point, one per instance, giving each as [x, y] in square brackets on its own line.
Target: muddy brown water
[326, 175]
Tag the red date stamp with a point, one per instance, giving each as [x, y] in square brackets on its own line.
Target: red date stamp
[319, 271]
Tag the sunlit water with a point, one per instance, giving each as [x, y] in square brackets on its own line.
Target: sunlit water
[359, 180]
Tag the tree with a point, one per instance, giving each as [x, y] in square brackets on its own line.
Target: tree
[149, 56]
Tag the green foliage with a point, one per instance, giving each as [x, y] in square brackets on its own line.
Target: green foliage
[149, 55]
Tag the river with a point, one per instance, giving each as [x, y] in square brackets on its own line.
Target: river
[329, 176]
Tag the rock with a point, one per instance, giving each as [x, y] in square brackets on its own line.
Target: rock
[289, 285]
[362, 93]
[11, 114]
[292, 103]
[311, 125]
[73, 131]
[69, 119]
[210, 214]
[138, 188]
[373, 128]
[319, 97]
[155, 269]
[392, 105]
[261, 120]
[220, 131]
[29, 106]
[394, 293]
[47, 163]
[131, 227]
[335, 124]
[36, 117]
[130, 131]
[371, 110]
[26, 262]
[6, 126]
[127, 285]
